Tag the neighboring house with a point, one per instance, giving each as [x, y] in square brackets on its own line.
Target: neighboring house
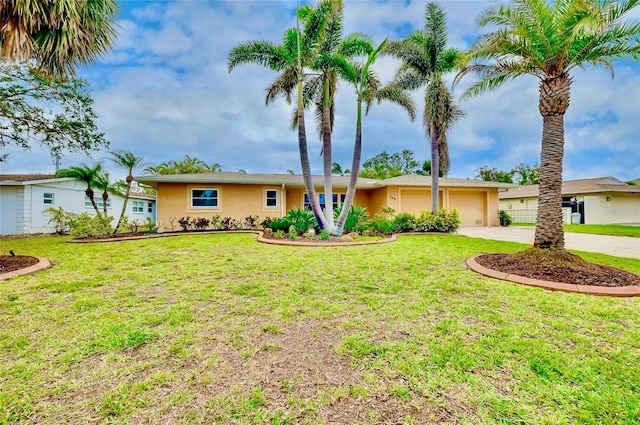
[239, 195]
[23, 199]
[603, 200]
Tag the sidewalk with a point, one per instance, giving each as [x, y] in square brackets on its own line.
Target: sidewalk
[619, 246]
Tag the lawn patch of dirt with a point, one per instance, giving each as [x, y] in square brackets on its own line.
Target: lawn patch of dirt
[558, 267]
[10, 263]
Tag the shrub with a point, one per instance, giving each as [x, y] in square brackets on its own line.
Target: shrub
[251, 222]
[216, 221]
[279, 224]
[86, 226]
[355, 218]
[379, 224]
[133, 226]
[59, 219]
[172, 223]
[404, 222]
[228, 223]
[292, 232]
[200, 223]
[324, 235]
[444, 221]
[265, 223]
[302, 220]
[279, 234]
[505, 218]
[185, 223]
[152, 227]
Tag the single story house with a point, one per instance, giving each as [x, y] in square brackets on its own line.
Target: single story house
[238, 195]
[602, 200]
[25, 197]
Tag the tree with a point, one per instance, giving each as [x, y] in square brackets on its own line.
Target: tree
[548, 40]
[129, 162]
[88, 175]
[336, 169]
[55, 114]
[403, 162]
[103, 183]
[425, 170]
[367, 89]
[494, 175]
[189, 165]
[57, 35]
[425, 59]
[290, 58]
[527, 174]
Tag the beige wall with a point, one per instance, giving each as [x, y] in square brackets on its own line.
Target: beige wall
[621, 208]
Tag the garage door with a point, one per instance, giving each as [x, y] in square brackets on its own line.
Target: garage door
[471, 205]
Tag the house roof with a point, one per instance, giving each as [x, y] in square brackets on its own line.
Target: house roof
[416, 180]
[574, 187]
[293, 180]
[25, 177]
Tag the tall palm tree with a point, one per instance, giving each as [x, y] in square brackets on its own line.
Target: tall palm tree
[103, 183]
[548, 40]
[290, 58]
[425, 59]
[88, 175]
[128, 161]
[367, 88]
[59, 35]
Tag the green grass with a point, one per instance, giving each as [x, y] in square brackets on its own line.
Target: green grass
[221, 329]
[598, 229]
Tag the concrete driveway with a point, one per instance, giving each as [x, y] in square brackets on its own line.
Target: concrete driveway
[619, 246]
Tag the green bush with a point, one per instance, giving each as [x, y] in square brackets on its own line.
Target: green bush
[59, 218]
[404, 222]
[324, 235]
[505, 218]
[379, 224]
[446, 222]
[302, 220]
[84, 226]
[279, 224]
[356, 216]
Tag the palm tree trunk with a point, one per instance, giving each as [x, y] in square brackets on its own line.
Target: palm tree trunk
[105, 197]
[353, 177]
[326, 152]
[304, 162]
[90, 195]
[554, 101]
[124, 205]
[435, 170]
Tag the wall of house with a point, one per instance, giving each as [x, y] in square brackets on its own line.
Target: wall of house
[25, 209]
[621, 208]
[472, 205]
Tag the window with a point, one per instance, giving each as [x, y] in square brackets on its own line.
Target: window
[272, 198]
[48, 198]
[138, 206]
[150, 207]
[336, 196]
[204, 198]
[99, 202]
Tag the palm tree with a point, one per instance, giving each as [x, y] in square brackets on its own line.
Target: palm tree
[89, 176]
[367, 88]
[548, 40]
[129, 162]
[425, 59]
[213, 168]
[103, 183]
[59, 35]
[290, 59]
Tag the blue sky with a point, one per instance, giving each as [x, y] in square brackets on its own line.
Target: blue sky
[164, 92]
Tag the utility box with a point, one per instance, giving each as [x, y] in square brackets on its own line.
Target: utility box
[575, 218]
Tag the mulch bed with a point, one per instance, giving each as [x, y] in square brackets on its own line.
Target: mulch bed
[574, 272]
[10, 263]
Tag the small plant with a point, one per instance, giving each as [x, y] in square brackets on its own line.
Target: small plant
[59, 219]
[200, 223]
[265, 223]
[404, 222]
[279, 234]
[302, 220]
[228, 223]
[172, 223]
[324, 235]
[388, 212]
[134, 226]
[279, 224]
[84, 226]
[505, 218]
[355, 217]
[152, 226]
[251, 222]
[185, 223]
[216, 222]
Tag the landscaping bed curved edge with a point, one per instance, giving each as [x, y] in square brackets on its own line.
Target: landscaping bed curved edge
[42, 264]
[619, 291]
[158, 235]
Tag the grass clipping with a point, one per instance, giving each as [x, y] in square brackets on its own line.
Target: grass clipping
[558, 266]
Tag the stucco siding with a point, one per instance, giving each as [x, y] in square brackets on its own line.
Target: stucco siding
[619, 209]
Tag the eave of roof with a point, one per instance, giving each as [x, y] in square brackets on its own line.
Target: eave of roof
[28, 179]
[576, 187]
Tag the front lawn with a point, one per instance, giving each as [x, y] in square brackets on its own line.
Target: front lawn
[598, 229]
[217, 328]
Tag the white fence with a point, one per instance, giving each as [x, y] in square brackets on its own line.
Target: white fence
[529, 216]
